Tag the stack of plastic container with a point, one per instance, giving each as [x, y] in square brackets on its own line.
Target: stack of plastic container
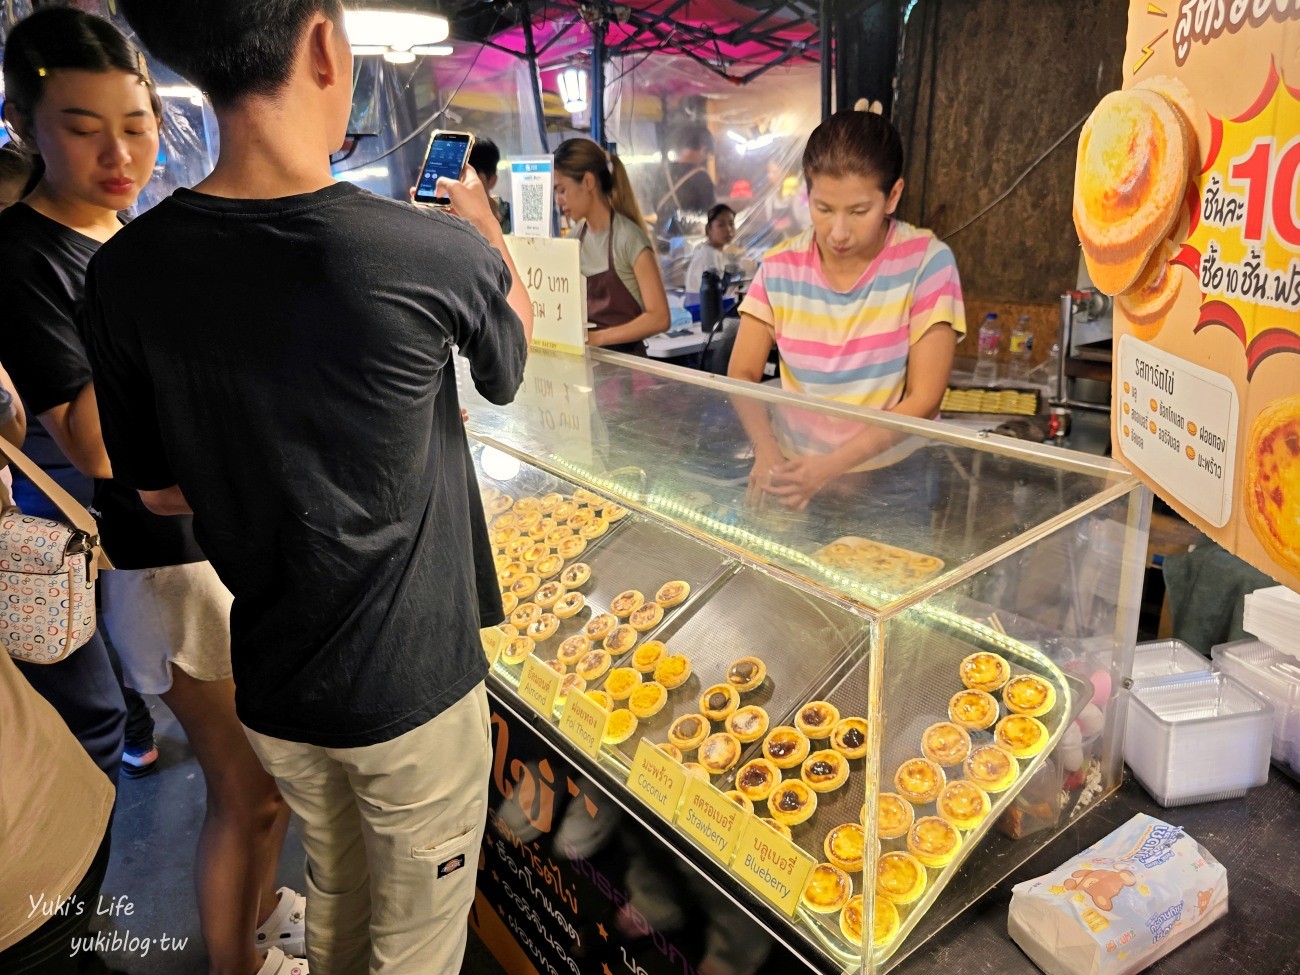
[1193, 735]
[1273, 615]
[1275, 676]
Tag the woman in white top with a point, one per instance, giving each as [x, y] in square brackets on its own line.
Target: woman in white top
[711, 255]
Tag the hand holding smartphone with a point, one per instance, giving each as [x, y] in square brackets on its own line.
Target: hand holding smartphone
[446, 158]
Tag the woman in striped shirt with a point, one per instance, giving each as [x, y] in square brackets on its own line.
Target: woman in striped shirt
[865, 310]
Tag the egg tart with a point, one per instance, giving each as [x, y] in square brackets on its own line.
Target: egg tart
[697, 770]
[511, 573]
[621, 639]
[526, 585]
[500, 562]
[741, 800]
[900, 878]
[894, 816]
[748, 723]
[688, 731]
[647, 700]
[572, 684]
[549, 566]
[626, 602]
[945, 743]
[884, 923]
[1029, 695]
[569, 605]
[503, 522]
[557, 535]
[563, 511]
[781, 828]
[508, 602]
[919, 780]
[580, 520]
[544, 627]
[746, 673]
[985, 672]
[673, 670]
[973, 710]
[849, 737]
[583, 496]
[517, 547]
[962, 803]
[648, 655]
[786, 747]
[846, 846]
[500, 504]
[599, 627]
[518, 650]
[622, 725]
[816, 719]
[547, 503]
[500, 538]
[828, 889]
[757, 778]
[533, 553]
[614, 512]
[528, 505]
[549, 594]
[719, 702]
[558, 667]
[594, 528]
[646, 617]
[540, 530]
[509, 629]
[825, 771]
[933, 841]
[524, 614]
[593, 664]
[572, 547]
[573, 649]
[601, 698]
[719, 753]
[673, 593]
[669, 749]
[991, 768]
[526, 521]
[576, 575]
[1021, 735]
[851, 919]
[621, 682]
[792, 803]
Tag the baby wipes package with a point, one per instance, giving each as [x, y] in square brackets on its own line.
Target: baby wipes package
[1121, 904]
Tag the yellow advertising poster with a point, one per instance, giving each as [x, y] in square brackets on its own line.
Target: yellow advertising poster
[1186, 207]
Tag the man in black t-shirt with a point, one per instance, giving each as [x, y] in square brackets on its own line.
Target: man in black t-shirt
[273, 350]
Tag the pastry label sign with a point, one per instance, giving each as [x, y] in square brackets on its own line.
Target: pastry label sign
[583, 722]
[657, 778]
[1177, 420]
[493, 640]
[711, 818]
[549, 269]
[538, 685]
[771, 864]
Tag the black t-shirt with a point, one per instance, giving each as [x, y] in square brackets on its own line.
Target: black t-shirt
[41, 286]
[287, 362]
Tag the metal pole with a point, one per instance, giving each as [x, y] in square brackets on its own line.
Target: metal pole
[827, 55]
[598, 80]
[530, 50]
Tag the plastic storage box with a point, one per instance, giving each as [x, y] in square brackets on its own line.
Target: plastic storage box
[1275, 676]
[1167, 658]
[1198, 738]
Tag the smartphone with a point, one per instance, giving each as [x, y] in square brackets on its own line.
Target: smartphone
[447, 154]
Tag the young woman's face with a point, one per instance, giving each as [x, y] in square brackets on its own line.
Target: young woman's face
[575, 198]
[849, 213]
[722, 231]
[98, 136]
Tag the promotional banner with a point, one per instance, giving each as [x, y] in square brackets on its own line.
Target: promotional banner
[1185, 204]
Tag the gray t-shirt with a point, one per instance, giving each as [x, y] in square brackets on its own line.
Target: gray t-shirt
[629, 241]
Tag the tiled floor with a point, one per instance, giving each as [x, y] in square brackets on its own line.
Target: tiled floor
[152, 865]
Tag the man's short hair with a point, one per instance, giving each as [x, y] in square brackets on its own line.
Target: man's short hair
[230, 49]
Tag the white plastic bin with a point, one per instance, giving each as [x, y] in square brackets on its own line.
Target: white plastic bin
[1275, 676]
[1167, 658]
[1198, 738]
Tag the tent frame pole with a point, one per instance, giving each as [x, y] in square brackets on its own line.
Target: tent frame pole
[534, 79]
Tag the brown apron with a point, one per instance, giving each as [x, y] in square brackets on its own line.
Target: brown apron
[609, 302]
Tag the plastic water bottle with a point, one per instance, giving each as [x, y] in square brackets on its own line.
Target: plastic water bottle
[990, 341]
[1022, 349]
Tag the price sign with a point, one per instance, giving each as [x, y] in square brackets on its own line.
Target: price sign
[583, 722]
[538, 685]
[714, 820]
[657, 778]
[771, 865]
[550, 273]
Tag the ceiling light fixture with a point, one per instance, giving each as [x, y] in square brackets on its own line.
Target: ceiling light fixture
[573, 89]
[396, 35]
[399, 57]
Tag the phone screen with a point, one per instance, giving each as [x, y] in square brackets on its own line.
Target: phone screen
[447, 152]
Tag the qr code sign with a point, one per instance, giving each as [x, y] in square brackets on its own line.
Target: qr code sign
[532, 205]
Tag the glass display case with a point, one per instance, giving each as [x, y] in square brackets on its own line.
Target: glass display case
[878, 704]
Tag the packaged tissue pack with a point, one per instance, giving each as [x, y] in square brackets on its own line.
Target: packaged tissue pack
[1121, 904]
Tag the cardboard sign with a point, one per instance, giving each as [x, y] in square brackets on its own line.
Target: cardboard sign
[538, 685]
[1186, 206]
[772, 865]
[493, 640]
[558, 290]
[657, 779]
[531, 186]
[713, 820]
[583, 722]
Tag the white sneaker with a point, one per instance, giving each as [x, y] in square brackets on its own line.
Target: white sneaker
[278, 963]
[285, 928]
